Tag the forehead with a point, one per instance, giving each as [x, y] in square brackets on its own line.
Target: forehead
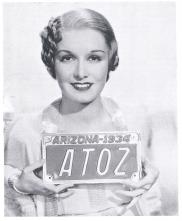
[82, 40]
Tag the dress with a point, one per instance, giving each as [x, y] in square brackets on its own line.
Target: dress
[23, 147]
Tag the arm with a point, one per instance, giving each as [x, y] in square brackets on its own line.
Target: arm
[18, 166]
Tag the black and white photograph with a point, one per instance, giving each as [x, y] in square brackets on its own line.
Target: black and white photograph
[90, 108]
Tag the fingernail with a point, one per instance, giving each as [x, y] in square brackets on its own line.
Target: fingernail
[145, 188]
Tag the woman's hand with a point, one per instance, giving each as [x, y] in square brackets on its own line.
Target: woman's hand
[28, 182]
[150, 175]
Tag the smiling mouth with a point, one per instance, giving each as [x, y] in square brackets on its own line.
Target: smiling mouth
[82, 86]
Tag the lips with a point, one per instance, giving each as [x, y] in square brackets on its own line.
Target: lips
[82, 86]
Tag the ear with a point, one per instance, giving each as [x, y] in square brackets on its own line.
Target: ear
[114, 63]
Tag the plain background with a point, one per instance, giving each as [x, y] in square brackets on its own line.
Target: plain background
[146, 76]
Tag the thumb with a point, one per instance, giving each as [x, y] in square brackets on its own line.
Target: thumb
[34, 166]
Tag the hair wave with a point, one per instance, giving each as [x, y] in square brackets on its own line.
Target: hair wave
[83, 18]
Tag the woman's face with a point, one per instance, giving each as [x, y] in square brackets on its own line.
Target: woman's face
[81, 64]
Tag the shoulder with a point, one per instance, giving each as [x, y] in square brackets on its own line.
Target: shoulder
[136, 116]
[115, 113]
[111, 105]
[25, 125]
[22, 141]
[109, 102]
[133, 114]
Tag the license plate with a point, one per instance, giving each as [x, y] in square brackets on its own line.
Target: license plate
[91, 157]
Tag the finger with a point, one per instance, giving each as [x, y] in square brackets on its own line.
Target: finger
[133, 193]
[42, 189]
[151, 176]
[43, 192]
[147, 181]
[149, 168]
[47, 192]
[34, 166]
[147, 187]
[63, 187]
[67, 194]
[41, 185]
[139, 184]
[132, 184]
[61, 195]
[51, 187]
[55, 189]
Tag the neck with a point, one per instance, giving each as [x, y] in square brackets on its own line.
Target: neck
[71, 108]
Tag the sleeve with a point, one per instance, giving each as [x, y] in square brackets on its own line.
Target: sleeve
[150, 203]
[15, 147]
[138, 119]
[115, 113]
[15, 160]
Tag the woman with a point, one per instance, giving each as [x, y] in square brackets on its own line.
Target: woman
[79, 51]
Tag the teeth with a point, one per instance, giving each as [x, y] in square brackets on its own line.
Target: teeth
[82, 86]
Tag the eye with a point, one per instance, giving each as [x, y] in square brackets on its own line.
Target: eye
[94, 58]
[66, 58]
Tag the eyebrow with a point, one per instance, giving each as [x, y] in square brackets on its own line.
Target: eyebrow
[98, 51]
[67, 51]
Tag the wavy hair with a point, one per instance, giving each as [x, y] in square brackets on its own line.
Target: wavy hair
[76, 19]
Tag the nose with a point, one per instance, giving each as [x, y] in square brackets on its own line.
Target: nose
[80, 72]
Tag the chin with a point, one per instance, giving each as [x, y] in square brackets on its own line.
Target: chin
[85, 100]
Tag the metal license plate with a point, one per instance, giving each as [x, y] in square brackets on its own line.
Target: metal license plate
[91, 157]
